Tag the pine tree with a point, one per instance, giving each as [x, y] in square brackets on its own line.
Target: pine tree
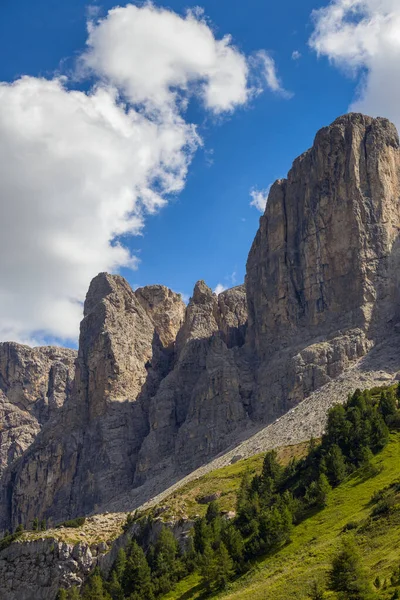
[137, 574]
[223, 567]
[166, 550]
[120, 564]
[94, 588]
[43, 526]
[347, 575]
[336, 466]
[212, 511]
[207, 568]
[387, 404]
[202, 535]
[317, 492]
[234, 543]
[62, 594]
[114, 587]
[73, 593]
[271, 473]
[35, 524]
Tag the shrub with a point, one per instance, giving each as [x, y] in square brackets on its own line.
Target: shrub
[72, 523]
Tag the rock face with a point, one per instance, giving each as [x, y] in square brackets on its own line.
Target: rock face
[34, 383]
[324, 264]
[161, 388]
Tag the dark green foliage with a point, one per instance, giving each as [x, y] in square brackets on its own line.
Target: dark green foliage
[73, 593]
[212, 511]
[347, 575]
[9, 538]
[43, 526]
[223, 567]
[62, 594]
[94, 588]
[137, 574]
[268, 505]
[318, 491]
[114, 587]
[35, 524]
[234, 543]
[130, 519]
[335, 465]
[387, 404]
[72, 523]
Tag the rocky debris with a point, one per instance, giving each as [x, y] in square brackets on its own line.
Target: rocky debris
[209, 498]
[161, 389]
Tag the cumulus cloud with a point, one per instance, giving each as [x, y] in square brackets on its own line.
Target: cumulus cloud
[76, 173]
[296, 55]
[153, 55]
[79, 171]
[259, 198]
[219, 289]
[363, 37]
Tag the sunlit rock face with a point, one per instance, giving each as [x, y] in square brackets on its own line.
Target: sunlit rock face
[160, 388]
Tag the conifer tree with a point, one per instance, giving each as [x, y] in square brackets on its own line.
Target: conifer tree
[336, 466]
[212, 511]
[347, 575]
[223, 567]
[234, 543]
[120, 564]
[137, 574]
[114, 587]
[94, 588]
[387, 404]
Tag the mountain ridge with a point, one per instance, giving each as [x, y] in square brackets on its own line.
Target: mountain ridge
[160, 389]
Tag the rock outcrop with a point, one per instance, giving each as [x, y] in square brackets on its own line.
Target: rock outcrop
[161, 388]
[325, 261]
[34, 384]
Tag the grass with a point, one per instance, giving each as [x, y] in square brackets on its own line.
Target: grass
[289, 572]
[225, 481]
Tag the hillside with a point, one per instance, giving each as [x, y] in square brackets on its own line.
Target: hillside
[363, 505]
[289, 572]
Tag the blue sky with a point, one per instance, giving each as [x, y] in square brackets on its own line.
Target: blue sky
[205, 231]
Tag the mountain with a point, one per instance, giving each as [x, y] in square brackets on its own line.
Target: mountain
[160, 389]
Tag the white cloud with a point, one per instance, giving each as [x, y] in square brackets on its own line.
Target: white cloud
[76, 172]
[270, 74]
[259, 198]
[363, 37]
[79, 171]
[219, 289]
[153, 54]
[296, 55]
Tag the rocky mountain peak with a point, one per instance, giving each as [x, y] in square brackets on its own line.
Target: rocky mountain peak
[160, 388]
[202, 294]
[166, 310]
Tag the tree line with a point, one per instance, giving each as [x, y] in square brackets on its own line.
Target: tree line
[268, 506]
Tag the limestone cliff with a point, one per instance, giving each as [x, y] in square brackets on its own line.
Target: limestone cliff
[161, 388]
[34, 383]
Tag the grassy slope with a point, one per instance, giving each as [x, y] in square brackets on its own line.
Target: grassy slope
[225, 481]
[289, 572]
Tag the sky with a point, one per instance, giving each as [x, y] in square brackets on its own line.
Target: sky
[142, 138]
